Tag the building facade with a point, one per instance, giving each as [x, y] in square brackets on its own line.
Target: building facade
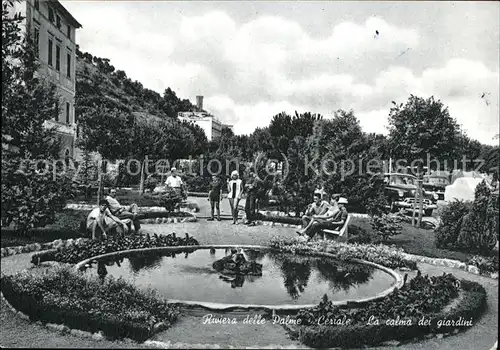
[210, 125]
[54, 32]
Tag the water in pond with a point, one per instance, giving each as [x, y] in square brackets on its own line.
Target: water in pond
[286, 278]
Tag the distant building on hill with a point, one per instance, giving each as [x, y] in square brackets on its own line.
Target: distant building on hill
[210, 124]
[54, 32]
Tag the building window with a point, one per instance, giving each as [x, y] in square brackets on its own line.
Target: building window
[51, 15]
[50, 53]
[58, 21]
[68, 31]
[67, 112]
[68, 65]
[37, 5]
[36, 40]
[58, 58]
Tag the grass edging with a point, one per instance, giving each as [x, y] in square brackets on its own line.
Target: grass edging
[471, 307]
[450, 263]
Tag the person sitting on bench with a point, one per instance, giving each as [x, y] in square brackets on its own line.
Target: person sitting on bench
[332, 220]
[318, 207]
[123, 212]
[100, 221]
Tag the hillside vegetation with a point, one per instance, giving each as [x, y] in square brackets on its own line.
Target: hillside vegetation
[115, 113]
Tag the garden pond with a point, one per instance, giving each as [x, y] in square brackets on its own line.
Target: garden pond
[287, 279]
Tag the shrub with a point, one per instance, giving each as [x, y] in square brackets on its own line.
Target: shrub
[377, 206]
[169, 199]
[417, 299]
[478, 231]
[485, 264]
[451, 215]
[358, 235]
[32, 197]
[150, 183]
[379, 254]
[90, 248]
[84, 302]
[438, 292]
[195, 183]
[386, 226]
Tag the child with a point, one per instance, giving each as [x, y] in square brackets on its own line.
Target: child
[214, 196]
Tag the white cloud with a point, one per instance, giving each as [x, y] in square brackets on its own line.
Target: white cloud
[251, 70]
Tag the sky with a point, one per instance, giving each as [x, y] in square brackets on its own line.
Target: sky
[254, 59]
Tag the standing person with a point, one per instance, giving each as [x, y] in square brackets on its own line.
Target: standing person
[175, 181]
[253, 187]
[235, 189]
[214, 196]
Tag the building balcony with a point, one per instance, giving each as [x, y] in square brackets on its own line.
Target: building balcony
[69, 129]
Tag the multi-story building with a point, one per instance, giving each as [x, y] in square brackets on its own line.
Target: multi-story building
[54, 31]
[210, 125]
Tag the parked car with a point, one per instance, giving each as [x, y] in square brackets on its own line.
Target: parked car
[436, 184]
[400, 191]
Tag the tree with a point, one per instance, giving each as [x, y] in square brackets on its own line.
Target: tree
[107, 131]
[34, 186]
[479, 229]
[338, 145]
[200, 141]
[297, 183]
[420, 128]
[284, 128]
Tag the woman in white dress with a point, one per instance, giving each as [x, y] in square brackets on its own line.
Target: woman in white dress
[235, 190]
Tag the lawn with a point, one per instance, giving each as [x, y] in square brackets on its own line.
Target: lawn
[415, 241]
[67, 225]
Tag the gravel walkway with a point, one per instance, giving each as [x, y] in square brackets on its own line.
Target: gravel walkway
[190, 331]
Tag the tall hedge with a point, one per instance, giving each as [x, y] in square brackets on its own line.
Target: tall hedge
[452, 216]
[478, 232]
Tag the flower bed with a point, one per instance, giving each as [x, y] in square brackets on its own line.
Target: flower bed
[79, 301]
[90, 248]
[379, 254]
[486, 265]
[419, 308]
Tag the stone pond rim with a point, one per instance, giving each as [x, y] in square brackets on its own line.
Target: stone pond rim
[398, 280]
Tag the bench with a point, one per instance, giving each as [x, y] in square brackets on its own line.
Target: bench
[341, 234]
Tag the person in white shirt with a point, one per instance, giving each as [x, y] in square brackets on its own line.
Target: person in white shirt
[175, 181]
[318, 207]
[235, 190]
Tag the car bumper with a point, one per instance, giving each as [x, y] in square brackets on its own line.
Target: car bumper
[403, 204]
